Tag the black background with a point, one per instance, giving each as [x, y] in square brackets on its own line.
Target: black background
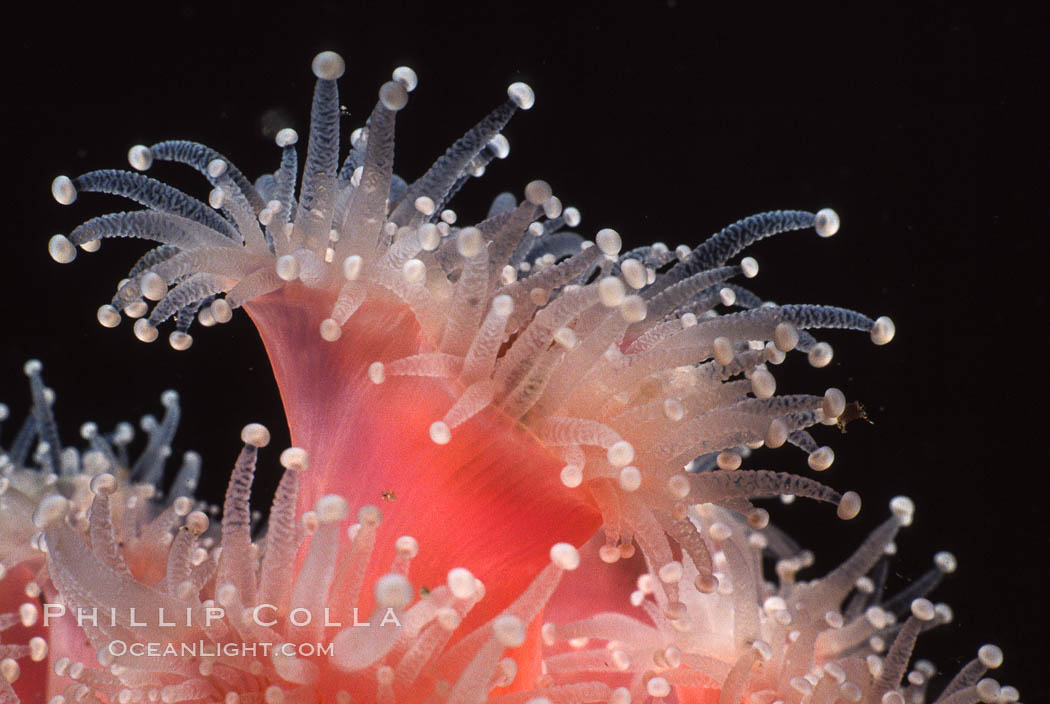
[665, 121]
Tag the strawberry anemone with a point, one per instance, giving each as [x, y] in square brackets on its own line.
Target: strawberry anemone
[504, 391]
[114, 561]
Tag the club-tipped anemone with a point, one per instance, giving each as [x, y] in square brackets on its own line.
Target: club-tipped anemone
[500, 388]
[415, 356]
[224, 616]
[836, 638]
[101, 557]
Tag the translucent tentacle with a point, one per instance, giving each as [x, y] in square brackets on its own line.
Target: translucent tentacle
[322, 165]
[199, 156]
[149, 468]
[275, 586]
[256, 284]
[755, 483]
[442, 175]
[192, 289]
[166, 228]
[236, 564]
[367, 216]
[153, 194]
[481, 357]
[43, 418]
[732, 239]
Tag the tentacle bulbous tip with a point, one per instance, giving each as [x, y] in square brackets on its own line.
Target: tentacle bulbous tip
[221, 311]
[217, 167]
[393, 95]
[330, 330]
[424, 205]
[352, 266]
[883, 330]
[217, 197]
[630, 479]
[328, 65]
[51, 509]
[461, 583]
[609, 241]
[572, 216]
[785, 336]
[571, 476]
[777, 434]
[729, 460]
[32, 367]
[377, 372]
[369, 515]
[500, 145]
[440, 433]
[988, 691]
[634, 273]
[991, 656]
[758, 518]
[620, 454]
[565, 556]
[849, 506]
[10, 670]
[821, 459]
[923, 609]
[153, 286]
[509, 631]
[407, 546]
[834, 403]
[946, 562]
[287, 267]
[826, 222]
[658, 687]
[522, 95]
[430, 235]
[331, 508]
[470, 242]
[406, 77]
[286, 137]
[393, 591]
[104, 483]
[255, 434]
[820, 355]
[763, 384]
[538, 192]
[903, 508]
[63, 190]
[144, 331]
[61, 249]
[197, 522]
[140, 157]
[295, 459]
